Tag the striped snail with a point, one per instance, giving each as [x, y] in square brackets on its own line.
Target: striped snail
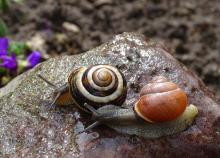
[161, 110]
[96, 85]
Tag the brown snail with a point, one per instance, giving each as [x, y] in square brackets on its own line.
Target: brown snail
[161, 101]
[96, 85]
[161, 110]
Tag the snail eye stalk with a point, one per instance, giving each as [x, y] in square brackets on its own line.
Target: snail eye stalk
[54, 86]
[93, 125]
[95, 113]
[48, 82]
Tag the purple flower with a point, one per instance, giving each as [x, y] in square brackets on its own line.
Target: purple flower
[8, 62]
[33, 59]
[3, 46]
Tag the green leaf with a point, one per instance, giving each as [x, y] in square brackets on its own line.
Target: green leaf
[4, 5]
[5, 80]
[19, 48]
[2, 70]
[3, 28]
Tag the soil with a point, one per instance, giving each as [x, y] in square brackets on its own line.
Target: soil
[191, 29]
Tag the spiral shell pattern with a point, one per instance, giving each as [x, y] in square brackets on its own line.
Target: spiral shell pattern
[98, 85]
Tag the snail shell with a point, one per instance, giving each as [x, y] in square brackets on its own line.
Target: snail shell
[97, 85]
[169, 118]
[161, 110]
[161, 101]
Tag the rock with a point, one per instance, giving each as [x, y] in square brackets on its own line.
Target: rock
[31, 128]
[100, 3]
[71, 27]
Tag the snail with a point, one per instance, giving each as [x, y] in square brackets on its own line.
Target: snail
[96, 85]
[160, 101]
[161, 110]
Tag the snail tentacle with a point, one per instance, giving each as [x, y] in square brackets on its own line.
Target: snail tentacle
[93, 125]
[48, 82]
[161, 110]
[58, 91]
[96, 85]
[95, 113]
[126, 121]
[101, 89]
[55, 99]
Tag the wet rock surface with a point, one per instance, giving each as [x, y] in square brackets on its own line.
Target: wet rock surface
[31, 128]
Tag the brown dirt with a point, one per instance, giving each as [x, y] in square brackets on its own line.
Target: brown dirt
[190, 28]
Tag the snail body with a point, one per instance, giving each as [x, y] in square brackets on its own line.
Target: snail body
[126, 121]
[100, 89]
[152, 116]
[96, 85]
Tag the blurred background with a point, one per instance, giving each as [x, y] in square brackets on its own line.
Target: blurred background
[190, 28]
